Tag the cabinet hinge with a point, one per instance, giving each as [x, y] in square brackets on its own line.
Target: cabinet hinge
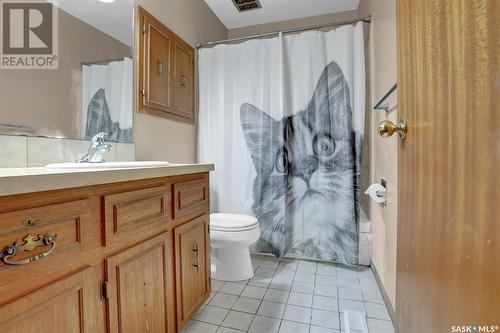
[143, 92]
[143, 28]
[104, 289]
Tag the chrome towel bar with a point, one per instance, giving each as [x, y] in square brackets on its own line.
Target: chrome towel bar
[382, 104]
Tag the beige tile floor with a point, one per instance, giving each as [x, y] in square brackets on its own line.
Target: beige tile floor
[292, 296]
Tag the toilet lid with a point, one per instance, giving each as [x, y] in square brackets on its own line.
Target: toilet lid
[232, 222]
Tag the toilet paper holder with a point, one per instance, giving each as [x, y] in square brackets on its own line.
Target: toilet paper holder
[378, 192]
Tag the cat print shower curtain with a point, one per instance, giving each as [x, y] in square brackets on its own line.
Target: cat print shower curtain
[282, 119]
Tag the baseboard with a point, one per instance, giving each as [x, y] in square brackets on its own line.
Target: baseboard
[388, 304]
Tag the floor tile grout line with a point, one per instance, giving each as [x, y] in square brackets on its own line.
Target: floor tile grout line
[289, 291]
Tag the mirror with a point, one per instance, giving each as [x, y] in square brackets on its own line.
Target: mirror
[91, 91]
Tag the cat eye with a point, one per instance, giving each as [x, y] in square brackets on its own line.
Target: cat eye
[324, 146]
[282, 162]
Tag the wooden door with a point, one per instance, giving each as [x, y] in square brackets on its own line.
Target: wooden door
[140, 291]
[448, 265]
[155, 64]
[192, 265]
[71, 304]
[183, 68]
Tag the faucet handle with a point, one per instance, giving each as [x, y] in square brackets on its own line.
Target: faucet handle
[98, 138]
[96, 150]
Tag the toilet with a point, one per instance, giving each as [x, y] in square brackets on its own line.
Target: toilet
[230, 237]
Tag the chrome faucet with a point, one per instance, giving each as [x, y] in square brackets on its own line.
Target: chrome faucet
[97, 149]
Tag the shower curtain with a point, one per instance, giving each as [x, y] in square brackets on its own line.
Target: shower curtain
[283, 121]
[107, 100]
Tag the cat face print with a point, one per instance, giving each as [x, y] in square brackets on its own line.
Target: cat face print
[303, 190]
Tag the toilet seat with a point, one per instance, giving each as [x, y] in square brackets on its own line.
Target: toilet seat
[232, 222]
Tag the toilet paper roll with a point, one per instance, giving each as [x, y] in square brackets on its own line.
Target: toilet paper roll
[376, 192]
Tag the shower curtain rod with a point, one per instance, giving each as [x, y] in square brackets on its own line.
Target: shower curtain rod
[104, 62]
[366, 19]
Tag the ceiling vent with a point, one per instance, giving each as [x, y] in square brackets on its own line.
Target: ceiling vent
[246, 5]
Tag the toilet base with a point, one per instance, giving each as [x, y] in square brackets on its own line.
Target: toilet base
[231, 264]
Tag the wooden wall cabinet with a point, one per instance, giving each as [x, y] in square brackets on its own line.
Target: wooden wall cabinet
[166, 71]
[122, 261]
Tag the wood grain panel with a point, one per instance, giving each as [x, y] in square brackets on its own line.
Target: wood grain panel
[70, 222]
[141, 292]
[183, 67]
[192, 267]
[140, 213]
[448, 264]
[164, 95]
[69, 305]
[156, 64]
[191, 198]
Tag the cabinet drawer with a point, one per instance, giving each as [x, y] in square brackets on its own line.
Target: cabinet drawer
[137, 214]
[191, 198]
[73, 229]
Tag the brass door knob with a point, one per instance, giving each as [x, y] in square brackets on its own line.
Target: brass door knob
[387, 128]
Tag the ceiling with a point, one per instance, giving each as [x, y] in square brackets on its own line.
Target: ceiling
[276, 10]
[115, 18]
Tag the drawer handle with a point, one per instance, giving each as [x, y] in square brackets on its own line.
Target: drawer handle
[29, 244]
[196, 252]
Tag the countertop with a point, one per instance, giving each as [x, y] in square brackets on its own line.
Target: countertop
[27, 180]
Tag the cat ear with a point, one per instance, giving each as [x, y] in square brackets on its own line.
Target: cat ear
[330, 107]
[261, 134]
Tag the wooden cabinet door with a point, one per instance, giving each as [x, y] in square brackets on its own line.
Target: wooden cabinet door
[192, 265]
[166, 71]
[155, 65]
[71, 304]
[183, 75]
[140, 291]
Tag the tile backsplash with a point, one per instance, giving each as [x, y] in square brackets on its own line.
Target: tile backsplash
[22, 151]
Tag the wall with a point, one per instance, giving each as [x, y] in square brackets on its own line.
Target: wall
[51, 100]
[163, 139]
[288, 24]
[384, 157]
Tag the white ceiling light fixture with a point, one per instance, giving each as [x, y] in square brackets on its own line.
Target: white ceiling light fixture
[107, 1]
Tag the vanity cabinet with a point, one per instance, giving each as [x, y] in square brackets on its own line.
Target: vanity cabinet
[71, 304]
[192, 245]
[139, 288]
[166, 71]
[106, 258]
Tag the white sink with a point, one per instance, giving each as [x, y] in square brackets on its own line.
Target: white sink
[132, 164]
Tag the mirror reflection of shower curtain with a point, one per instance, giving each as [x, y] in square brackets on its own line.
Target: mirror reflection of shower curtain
[107, 100]
[283, 120]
